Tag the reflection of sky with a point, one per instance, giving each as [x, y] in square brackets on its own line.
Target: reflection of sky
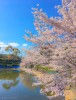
[20, 92]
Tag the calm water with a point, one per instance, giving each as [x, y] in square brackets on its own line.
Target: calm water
[16, 85]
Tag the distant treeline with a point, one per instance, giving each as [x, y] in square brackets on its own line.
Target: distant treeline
[9, 60]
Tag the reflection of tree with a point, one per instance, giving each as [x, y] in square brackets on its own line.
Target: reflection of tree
[6, 86]
[8, 75]
[11, 78]
[27, 80]
[10, 84]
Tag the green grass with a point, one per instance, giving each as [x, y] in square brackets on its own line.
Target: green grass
[44, 68]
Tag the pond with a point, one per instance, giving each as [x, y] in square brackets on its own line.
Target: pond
[17, 85]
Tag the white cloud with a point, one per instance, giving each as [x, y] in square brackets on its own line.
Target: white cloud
[24, 45]
[14, 44]
[1, 43]
[4, 45]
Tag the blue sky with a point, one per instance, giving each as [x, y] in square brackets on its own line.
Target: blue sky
[16, 17]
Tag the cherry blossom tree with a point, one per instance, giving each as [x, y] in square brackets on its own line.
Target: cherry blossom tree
[49, 48]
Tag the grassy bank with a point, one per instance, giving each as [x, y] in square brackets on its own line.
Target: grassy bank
[44, 69]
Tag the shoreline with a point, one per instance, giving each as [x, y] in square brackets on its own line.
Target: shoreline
[43, 79]
[10, 68]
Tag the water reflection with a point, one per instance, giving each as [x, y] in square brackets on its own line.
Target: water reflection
[16, 85]
[10, 84]
[27, 80]
[10, 78]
